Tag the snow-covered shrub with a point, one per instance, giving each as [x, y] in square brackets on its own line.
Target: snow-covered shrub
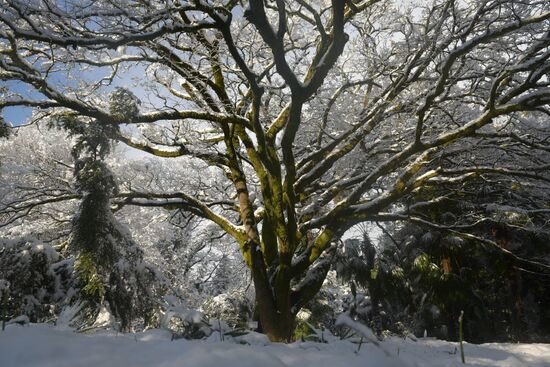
[184, 322]
[347, 321]
[39, 280]
[233, 307]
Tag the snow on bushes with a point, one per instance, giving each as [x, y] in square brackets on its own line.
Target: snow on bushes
[34, 280]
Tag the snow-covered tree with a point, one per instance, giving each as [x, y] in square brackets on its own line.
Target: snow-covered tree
[108, 263]
[312, 116]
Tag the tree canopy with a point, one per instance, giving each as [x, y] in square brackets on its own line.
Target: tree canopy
[308, 117]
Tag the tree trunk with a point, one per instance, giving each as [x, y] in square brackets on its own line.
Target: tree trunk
[277, 326]
[275, 316]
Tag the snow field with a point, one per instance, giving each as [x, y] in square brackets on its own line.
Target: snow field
[40, 345]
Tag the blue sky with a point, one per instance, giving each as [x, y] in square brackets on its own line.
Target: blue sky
[18, 115]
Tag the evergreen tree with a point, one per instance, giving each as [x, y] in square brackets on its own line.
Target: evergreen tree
[112, 274]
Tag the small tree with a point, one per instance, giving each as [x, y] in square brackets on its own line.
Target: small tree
[108, 263]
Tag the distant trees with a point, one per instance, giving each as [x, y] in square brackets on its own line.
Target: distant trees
[311, 116]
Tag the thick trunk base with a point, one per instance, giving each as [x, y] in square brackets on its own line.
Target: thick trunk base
[278, 328]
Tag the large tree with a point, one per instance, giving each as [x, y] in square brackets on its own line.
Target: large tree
[318, 115]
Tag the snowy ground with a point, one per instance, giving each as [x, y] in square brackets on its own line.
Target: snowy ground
[45, 346]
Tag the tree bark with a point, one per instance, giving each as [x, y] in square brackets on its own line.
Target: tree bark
[275, 314]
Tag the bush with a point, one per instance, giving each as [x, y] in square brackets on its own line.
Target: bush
[39, 279]
[233, 307]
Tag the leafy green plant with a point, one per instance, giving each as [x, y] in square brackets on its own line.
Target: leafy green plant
[87, 271]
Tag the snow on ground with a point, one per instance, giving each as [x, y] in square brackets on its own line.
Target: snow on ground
[45, 346]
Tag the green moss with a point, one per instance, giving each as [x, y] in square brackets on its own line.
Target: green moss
[320, 244]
